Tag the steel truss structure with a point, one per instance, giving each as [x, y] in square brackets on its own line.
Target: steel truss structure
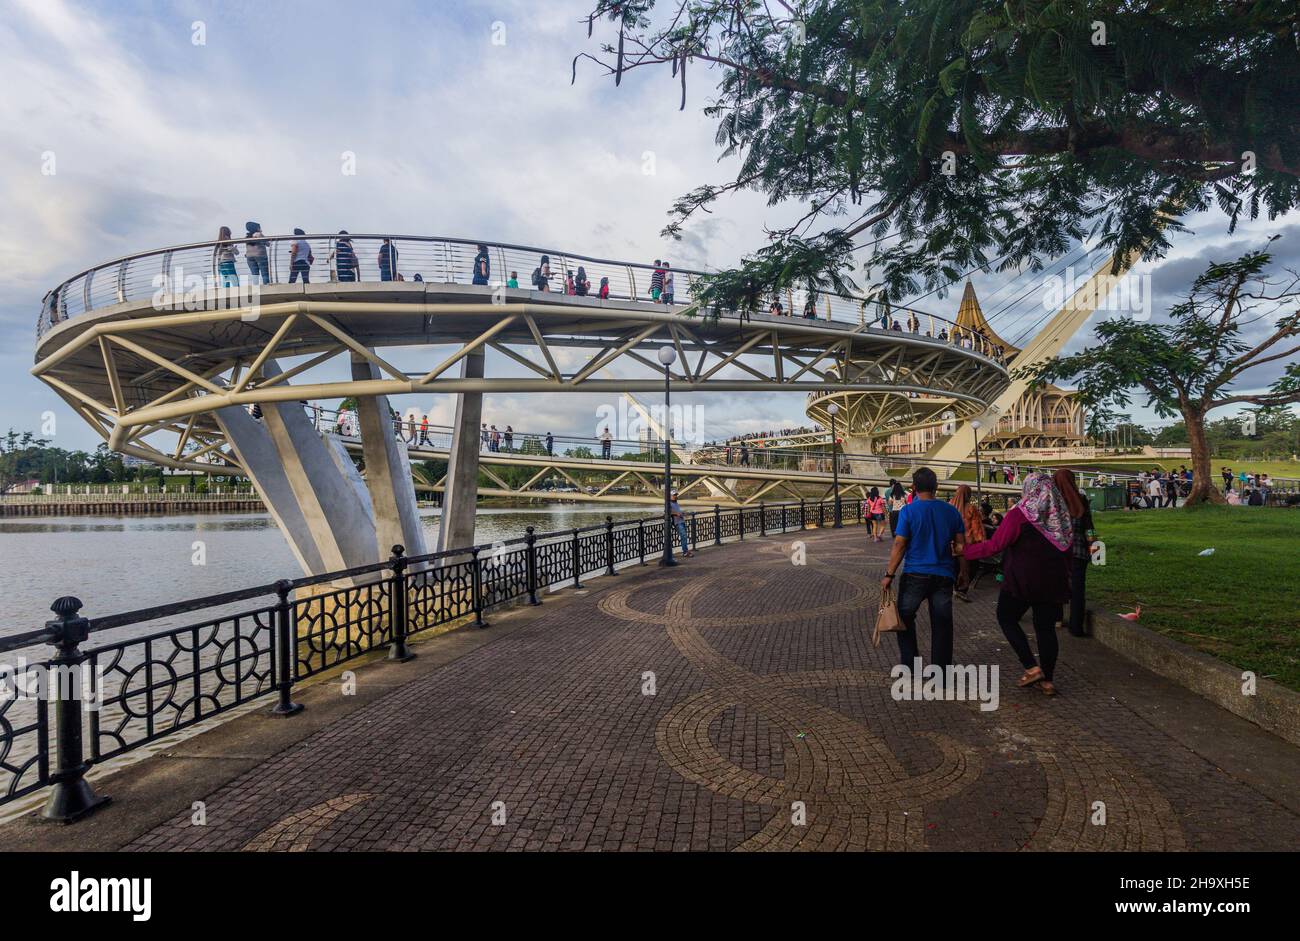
[140, 372]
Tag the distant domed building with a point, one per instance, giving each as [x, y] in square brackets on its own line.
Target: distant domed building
[1050, 417]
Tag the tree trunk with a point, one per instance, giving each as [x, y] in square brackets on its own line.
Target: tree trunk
[1205, 487]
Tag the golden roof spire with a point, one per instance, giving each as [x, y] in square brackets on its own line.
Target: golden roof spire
[971, 317]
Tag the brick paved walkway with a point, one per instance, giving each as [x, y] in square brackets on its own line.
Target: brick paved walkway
[767, 693]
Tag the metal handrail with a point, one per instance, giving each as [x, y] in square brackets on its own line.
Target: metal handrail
[230, 659]
[444, 252]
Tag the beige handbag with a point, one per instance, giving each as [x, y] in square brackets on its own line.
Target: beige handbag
[887, 619]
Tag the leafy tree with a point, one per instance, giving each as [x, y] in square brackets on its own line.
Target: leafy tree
[957, 134]
[18, 458]
[1190, 364]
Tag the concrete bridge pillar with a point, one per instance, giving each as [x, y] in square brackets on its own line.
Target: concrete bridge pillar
[389, 484]
[313, 492]
[460, 494]
[331, 518]
[856, 449]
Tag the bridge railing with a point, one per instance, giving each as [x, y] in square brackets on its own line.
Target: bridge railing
[199, 267]
[192, 661]
[754, 455]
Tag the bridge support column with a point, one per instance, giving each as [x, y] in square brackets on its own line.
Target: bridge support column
[460, 494]
[391, 489]
[314, 495]
[859, 465]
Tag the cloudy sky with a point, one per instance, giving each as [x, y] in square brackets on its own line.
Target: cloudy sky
[158, 140]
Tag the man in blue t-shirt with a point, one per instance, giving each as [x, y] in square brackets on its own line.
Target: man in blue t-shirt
[929, 532]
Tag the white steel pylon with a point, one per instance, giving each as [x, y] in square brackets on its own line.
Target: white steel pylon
[1048, 342]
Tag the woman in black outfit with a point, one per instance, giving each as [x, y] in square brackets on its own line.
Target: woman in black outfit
[1081, 556]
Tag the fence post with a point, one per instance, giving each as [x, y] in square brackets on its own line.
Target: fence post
[762, 519]
[783, 526]
[530, 540]
[400, 612]
[640, 539]
[695, 538]
[285, 641]
[821, 514]
[803, 516]
[717, 525]
[476, 588]
[740, 517]
[577, 564]
[609, 546]
[72, 797]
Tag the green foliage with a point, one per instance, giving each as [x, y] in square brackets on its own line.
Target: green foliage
[1191, 363]
[975, 133]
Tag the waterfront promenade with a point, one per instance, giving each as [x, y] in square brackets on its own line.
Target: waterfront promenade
[705, 708]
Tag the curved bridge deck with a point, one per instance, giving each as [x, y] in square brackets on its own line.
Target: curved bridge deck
[138, 364]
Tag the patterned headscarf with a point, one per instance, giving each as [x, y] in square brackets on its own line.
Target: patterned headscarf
[1042, 504]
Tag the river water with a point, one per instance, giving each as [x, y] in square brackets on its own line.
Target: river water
[121, 563]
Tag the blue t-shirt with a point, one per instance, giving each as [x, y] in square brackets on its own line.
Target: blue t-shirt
[929, 527]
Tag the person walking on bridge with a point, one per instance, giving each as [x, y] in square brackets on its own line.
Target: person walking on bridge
[345, 258]
[255, 252]
[482, 266]
[606, 443]
[300, 258]
[424, 430]
[657, 281]
[927, 547]
[226, 255]
[550, 444]
[387, 261]
[1035, 539]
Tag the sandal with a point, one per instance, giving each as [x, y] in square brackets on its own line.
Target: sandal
[1032, 676]
[1047, 687]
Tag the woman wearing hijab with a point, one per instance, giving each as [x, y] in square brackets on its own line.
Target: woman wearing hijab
[1035, 539]
[582, 284]
[1080, 549]
[970, 514]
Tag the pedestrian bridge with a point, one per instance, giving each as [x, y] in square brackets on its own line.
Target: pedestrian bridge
[163, 361]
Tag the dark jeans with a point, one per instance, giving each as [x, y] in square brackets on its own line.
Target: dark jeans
[347, 274]
[258, 267]
[1010, 610]
[893, 522]
[1078, 599]
[937, 590]
[300, 268]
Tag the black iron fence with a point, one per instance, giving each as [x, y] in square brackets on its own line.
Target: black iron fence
[84, 705]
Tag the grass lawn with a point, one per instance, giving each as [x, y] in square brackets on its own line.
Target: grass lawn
[1241, 604]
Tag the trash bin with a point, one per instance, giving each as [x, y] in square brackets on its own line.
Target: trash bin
[1105, 498]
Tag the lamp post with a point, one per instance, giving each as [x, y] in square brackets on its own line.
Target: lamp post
[979, 478]
[667, 355]
[834, 410]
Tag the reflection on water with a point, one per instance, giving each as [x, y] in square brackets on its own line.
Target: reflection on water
[116, 564]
